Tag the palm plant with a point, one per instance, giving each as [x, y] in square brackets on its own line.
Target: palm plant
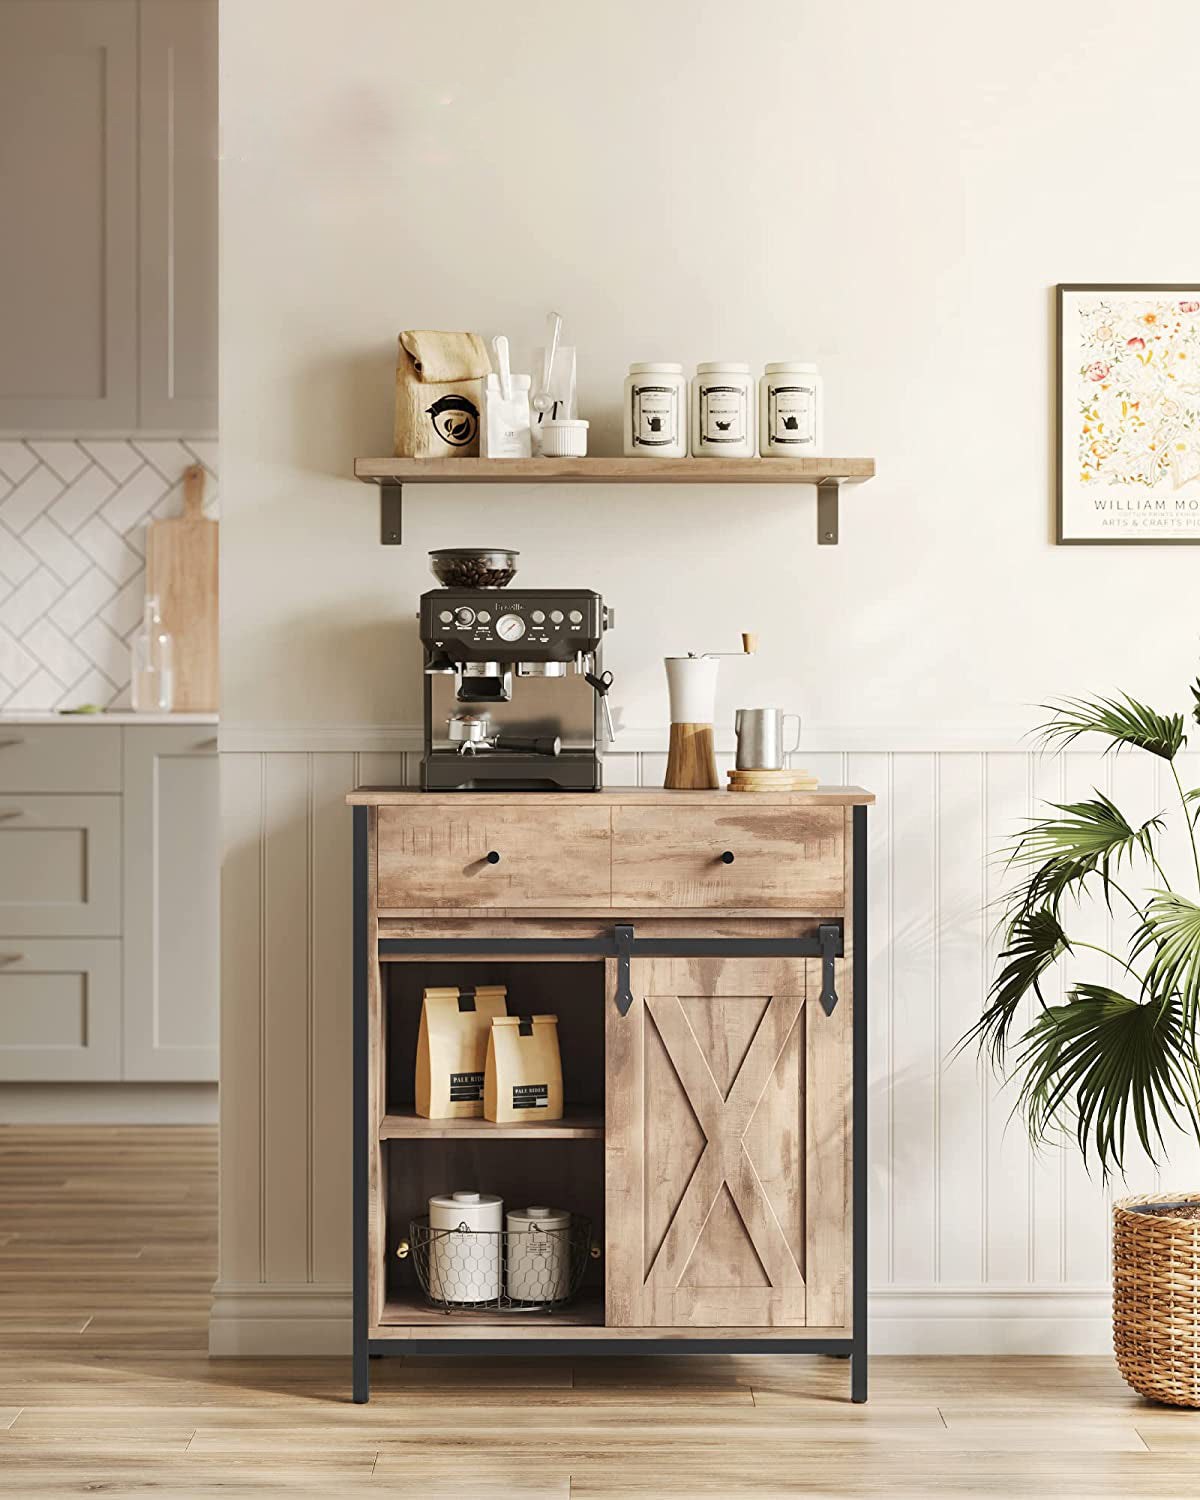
[1104, 1055]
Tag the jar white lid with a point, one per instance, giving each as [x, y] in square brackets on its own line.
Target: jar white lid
[464, 1200]
[716, 366]
[560, 424]
[551, 1218]
[791, 367]
[652, 368]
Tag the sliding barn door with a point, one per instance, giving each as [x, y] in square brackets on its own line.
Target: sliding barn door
[727, 1147]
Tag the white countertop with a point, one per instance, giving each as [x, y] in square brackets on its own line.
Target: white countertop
[17, 717]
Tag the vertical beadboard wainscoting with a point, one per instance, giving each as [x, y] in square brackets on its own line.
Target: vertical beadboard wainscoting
[978, 1244]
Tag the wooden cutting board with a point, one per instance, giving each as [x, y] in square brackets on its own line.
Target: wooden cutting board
[181, 568]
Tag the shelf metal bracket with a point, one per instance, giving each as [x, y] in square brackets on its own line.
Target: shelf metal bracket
[389, 514]
[828, 491]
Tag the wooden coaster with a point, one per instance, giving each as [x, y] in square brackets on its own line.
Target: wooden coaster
[771, 781]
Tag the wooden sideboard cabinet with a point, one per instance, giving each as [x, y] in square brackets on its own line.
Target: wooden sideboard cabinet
[705, 955]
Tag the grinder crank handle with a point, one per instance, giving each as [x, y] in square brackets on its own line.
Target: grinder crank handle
[521, 745]
[602, 683]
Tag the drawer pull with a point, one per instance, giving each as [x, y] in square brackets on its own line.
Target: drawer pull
[10, 812]
[12, 958]
[492, 857]
[727, 857]
[8, 744]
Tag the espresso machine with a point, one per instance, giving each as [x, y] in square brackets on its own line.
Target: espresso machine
[515, 692]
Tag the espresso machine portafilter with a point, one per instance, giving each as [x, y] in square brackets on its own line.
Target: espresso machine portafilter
[515, 691]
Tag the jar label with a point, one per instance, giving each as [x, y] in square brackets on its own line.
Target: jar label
[655, 415]
[792, 414]
[722, 414]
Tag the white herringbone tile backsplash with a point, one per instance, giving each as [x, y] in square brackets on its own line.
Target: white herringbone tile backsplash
[72, 561]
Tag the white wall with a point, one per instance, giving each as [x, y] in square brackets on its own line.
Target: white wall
[890, 190]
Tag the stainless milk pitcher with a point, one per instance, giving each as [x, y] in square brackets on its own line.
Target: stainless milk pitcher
[760, 744]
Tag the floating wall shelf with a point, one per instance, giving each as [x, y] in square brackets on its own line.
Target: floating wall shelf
[828, 474]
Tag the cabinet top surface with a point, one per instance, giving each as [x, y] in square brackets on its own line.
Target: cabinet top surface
[80, 720]
[824, 796]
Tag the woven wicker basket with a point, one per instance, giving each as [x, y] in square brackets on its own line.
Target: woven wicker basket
[1156, 1298]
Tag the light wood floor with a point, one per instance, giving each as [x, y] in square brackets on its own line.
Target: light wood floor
[107, 1253]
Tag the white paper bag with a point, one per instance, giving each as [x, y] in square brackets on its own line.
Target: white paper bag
[505, 428]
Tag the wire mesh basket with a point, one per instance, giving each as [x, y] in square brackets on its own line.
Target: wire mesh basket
[531, 1270]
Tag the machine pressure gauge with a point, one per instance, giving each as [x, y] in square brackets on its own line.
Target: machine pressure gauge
[510, 627]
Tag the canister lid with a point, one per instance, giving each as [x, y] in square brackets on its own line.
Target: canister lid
[791, 367]
[720, 366]
[656, 368]
[542, 1218]
[463, 1199]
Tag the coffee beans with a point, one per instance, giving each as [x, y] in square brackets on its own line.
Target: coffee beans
[462, 568]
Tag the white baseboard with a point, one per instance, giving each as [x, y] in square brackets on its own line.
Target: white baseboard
[288, 1318]
[992, 1320]
[298, 1320]
[108, 1103]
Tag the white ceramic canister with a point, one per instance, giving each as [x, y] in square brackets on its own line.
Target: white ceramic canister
[564, 437]
[692, 687]
[723, 418]
[539, 1254]
[464, 1265]
[656, 411]
[790, 401]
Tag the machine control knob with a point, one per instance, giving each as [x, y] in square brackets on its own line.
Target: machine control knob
[483, 616]
[576, 617]
[538, 616]
[464, 616]
[557, 616]
[510, 627]
[445, 617]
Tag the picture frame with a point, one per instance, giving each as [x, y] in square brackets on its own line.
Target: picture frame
[1128, 414]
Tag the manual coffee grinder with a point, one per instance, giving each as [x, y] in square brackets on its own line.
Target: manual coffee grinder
[692, 685]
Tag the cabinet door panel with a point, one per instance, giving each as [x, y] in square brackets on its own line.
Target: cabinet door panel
[712, 1118]
[60, 865]
[172, 925]
[60, 1009]
[68, 275]
[178, 231]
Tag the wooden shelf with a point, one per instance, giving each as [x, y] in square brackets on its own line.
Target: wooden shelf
[828, 474]
[578, 1124]
[409, 1316]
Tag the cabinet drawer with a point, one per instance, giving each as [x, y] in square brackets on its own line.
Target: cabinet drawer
[786, 858]
[437, 857]
[60, 1009]
[60, 865]
[60, 758]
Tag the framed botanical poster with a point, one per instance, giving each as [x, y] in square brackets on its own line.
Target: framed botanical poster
[1129, 414]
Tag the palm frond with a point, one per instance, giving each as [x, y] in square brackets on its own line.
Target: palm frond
[1035, 943]
[1122, 721]
[1102, 1056]
[1171, 927]
[1090, 837]
[1196, 700]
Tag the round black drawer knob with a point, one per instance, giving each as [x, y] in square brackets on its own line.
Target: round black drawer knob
[494, 859]
[727, 857]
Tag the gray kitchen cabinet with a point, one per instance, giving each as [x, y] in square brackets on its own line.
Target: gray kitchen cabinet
[68, 182]
[60, 1009]
[109, 875]
[178, 228]
[108, 260]
[172, 898]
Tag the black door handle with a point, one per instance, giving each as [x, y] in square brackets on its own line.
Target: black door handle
[492, 857]
[830, 938]
[727, 857]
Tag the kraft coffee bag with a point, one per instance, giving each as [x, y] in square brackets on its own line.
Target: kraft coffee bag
[452, 1047]
[439, 384]
[523, 1079]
